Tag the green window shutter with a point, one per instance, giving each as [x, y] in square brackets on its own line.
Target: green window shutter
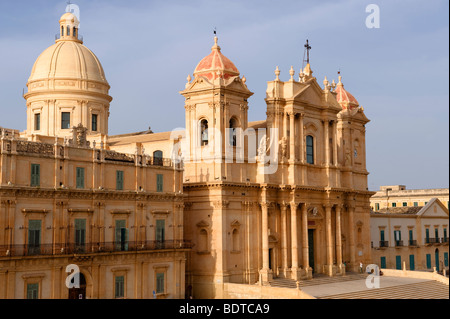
[436, 233]
[34, 237]
[80, 177]
[377, 206]
[119, 286]
[411, 234]
[35, 175]
[159, 183]
[394, 204]
[121, 235]
[160, 230]
[119, 180]
[398, 262]
[411, 262]
[32, 291]
[429, 261]
[80, 232]
[382, 235]
[383, 262]
[416, 204]
[427, 236]
[160, 283]
[446, 259]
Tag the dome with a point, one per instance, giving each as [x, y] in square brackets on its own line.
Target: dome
[68, 60]
[216, 65]
[344, 98]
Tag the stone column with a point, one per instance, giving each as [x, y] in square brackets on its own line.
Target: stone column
[305, 243]
[329, 266]
[301, 138]
[265, 273]
[292, 137]
[326, 125]
[284, 256]
[335, 153]
[294, 241]
[351, 237]
[338, 240]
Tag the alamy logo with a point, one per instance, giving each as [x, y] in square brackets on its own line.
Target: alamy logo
[73, 279]
[373, 280]
[373, 19]
[75, 9]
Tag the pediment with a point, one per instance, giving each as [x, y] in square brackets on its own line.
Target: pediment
[434, 209]
[202, 224]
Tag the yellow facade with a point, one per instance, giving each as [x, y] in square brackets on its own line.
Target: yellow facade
[286, 196]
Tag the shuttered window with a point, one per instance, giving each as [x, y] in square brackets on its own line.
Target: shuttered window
[34, 237]
[80, 234]
[35, 175]
[119, 180]
[119, 286]
[121, 236]
[160, 230]
[159, 183]
[310, 149]
[160, 283]
[32, 291]
[80, 177]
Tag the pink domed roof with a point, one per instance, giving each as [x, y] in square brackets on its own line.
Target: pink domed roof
[216, 65]
[344, 98]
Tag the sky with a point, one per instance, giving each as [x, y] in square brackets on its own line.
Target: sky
[398, 72]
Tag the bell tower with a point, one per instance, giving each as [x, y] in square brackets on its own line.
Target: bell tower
[216, 104]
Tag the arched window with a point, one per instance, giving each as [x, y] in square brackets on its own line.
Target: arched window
[74, 31]
[68, 30]
[310, 149]
[204, 132]
[158, 158]
[62, 31]
[233, 126]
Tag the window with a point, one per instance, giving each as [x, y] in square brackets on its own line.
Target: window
[121, 239]
[119, 180]
[62, 31]
[377, 207]
[35, 175]
[65, 120]
[436, 233]
[446, 259]
[233, 126]
[382, 235]
[405, 204]
[74, 32]
[158, 158]
[160, 230]
[398, 262]
[416, 204]
[204, 133]
[119, 287]
[159, 183]
[80, 234]
[427, 236]
[394, 204]
[429, 261]
[68, 30]
[445, 235]
[37, 121]
[34, 237]
[398, 237]
[33, 291]
[310, 149]
[160, 283]
[411, 262]
[94, 122]
[80, 177]
[383, 262]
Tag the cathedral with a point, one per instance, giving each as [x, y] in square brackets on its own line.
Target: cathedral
[179, 213]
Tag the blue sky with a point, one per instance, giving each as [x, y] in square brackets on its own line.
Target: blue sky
[399, 72]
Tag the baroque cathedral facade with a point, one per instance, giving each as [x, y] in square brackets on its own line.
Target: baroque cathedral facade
[180, 213]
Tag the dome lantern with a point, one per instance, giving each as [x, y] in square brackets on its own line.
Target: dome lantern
[69, 26]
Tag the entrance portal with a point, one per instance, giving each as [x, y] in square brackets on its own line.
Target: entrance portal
[79, 293]
[311, 248]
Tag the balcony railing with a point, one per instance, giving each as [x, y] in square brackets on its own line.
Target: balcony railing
[412, 243]
[431, 240]
[384, 243]
[444, 240]
[399, 243]
[91, 248]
